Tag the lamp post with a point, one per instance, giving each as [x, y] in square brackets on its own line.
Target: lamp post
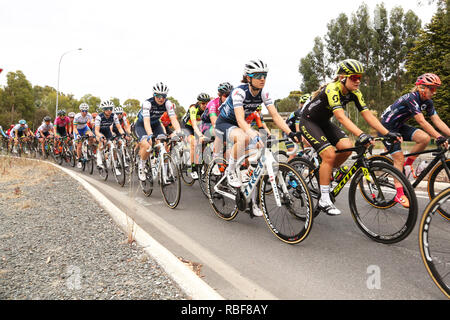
[59, 69]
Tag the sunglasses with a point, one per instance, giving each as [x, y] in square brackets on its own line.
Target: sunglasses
[355, 77]
[432, 88]
[108, 109]
[160, 96]
[258, 75]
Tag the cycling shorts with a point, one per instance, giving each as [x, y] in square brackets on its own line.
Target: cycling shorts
[223, 129]
[405, 130]
[141, 133]
[321, 136]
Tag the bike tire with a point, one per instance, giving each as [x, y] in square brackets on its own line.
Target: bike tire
[432, 189]
[386, 211]
[225, 208]
[172, 199]
[117, 161]
[286, 226]
[439, 228]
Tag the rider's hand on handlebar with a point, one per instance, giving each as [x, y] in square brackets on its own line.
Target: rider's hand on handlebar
[394, 137]
[442, 141]
[365, 139]
[295, 136]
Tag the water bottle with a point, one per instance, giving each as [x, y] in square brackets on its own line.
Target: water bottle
[421, 167]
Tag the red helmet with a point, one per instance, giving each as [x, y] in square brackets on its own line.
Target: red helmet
[428, 79]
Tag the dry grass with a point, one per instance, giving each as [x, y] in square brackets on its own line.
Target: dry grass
[194, 266]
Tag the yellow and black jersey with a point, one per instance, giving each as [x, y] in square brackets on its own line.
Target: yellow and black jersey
[321, 108]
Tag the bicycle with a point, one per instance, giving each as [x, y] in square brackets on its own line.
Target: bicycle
[181, 154]
[87, 158]
[161, 165]
[434, 241]
[281, 193]
[375, 182]
[64, 153]
[439, 168]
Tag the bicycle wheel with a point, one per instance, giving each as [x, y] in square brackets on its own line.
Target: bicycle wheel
[309, 173]
[103, 171]
[434, 241]
[202, 181]
[217, 189]
[281, 156]
[117, 166]
[295, 200]
[379, 218]
[169, 181]
[147, 184]
[438, 181]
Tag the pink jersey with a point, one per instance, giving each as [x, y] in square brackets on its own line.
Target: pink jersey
[62, 122]
[211, 108]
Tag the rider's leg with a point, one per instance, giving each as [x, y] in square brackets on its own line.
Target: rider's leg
[340, 158]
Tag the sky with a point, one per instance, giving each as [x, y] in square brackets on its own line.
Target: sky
[192, 46]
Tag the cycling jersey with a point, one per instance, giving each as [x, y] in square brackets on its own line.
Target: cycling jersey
[44, 128]
[105, 123]
[20, 130]
[194, 112]
[62, 122]
[293, 119]
[165, 120]
[212, 109]
[80, 121]
[321, 108]
[151, 109]
[405, 108]
[242, 97]
[122, 123]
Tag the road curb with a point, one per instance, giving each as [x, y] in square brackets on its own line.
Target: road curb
[188, 281]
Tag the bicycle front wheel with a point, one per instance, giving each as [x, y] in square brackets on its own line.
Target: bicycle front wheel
[437, 182]
[372, 206]
[169, 181]
[434, 241]
[295, 200]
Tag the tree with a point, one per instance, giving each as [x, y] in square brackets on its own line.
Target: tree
[431, 53]
[92, 101]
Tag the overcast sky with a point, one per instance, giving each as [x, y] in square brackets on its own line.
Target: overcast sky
[192, 46]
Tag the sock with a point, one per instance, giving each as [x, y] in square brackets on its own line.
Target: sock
[232, 164]
[325, 193]
[409, 161]
[400, 192]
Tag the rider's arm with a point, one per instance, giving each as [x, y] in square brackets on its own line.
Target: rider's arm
[346, 122]
[175, 123]
[240, 118]
[426, 125]
[374, 122]
[147, 126]
[193, 116]
[277, 119]
[440, 125]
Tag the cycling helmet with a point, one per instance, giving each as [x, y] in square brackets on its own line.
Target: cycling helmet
[350, 67]
[22, 121]
[304, 98]
[225, 87]
[160, 88]
[428, 79]
[255, 66]
[71, 114]
[203, 97]
[61, 112]
[84, 107]
[47, 118]
[118, 110]
[107, 104]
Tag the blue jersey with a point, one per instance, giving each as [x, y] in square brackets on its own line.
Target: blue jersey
[405, 108]
[242, 97]
[154, 111]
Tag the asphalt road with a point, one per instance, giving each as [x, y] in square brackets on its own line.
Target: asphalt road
[242, 259]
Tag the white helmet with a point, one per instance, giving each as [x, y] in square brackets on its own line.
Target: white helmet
[107, 104]
[71, 114]
[118, 109]
[160, 88]
[84, 107]
[255, 66]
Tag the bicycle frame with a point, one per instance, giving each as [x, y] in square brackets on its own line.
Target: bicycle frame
[439, 157]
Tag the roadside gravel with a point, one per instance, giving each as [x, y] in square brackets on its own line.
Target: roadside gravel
[56, 242]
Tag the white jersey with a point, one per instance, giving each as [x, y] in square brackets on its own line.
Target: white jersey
[80, 121]
[19, 128]
[44, 128]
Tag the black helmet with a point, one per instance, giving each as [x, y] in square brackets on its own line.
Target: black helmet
[61, 112]
[350, 67]
[225, 88]
[47, 118]
[203, 97]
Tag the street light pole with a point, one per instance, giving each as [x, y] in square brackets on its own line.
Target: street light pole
[59, 69]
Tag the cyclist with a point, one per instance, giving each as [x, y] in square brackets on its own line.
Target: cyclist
[45, 130]
[62, 123]
[81, 128]
[414, 104]
[293, 121]
[148, 125]
[315, 125]
[232, 127]
[19, 130]
[209, 116]
[71, 116]
[103, 132]
[190, 123]
[124, 123]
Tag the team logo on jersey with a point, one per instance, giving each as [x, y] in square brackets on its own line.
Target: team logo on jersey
[423, 107]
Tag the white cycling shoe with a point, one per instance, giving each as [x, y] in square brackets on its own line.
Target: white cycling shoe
[329, 208]
[256, 211]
